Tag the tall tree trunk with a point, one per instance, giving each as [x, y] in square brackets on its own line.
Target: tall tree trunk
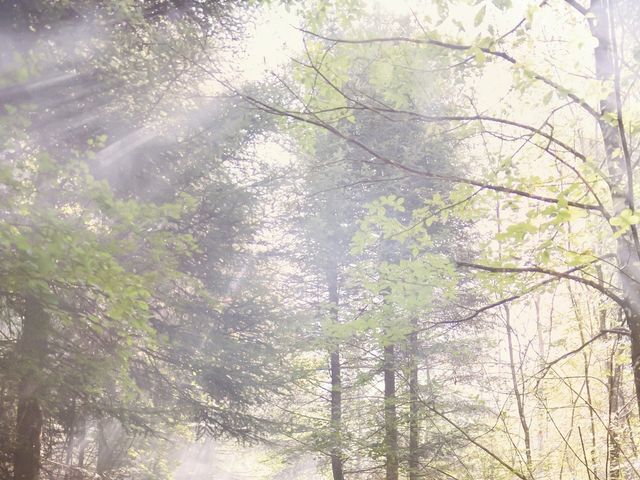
[76, 472]
[70, 427]
[32, 352]
[390, 415]
[336, 416]
[112, 446]
[414, 425]
[615, 372]
[336, 380]
[620, 172]
[518, 394]
[586, 367]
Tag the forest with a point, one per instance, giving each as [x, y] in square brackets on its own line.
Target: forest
[319, 239]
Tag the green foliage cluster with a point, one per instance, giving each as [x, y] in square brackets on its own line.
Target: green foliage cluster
[153, 317]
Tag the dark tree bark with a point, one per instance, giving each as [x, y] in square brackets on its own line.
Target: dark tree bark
[516, 390]
[620, 172]
[615, 373]
[390, 414]
[112, 446]
[32, 353]
[336, 416]
[414, 412]
[336, 381]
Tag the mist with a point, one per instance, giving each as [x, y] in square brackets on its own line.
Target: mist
[341, 240]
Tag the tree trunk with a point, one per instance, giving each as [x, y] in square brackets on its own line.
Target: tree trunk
[32, 352]
[414, 425]
[620, 173]
[336, 416]
[112, 446]
[586, 368]
[615, 372]
[518, 394]
[390, 416]
[76, 473]
[336, 381]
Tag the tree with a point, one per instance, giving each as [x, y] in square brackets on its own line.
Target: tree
[119, 311]
[414, 254]
[543, 211]
[350, 181]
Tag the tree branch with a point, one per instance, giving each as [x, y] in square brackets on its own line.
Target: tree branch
[545, 271]
[407, 168]
[454, 46]
[582, 10]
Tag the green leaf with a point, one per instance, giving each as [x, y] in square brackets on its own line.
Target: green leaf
[574, 259]
[623, 221]
[478, 54]
[22, 74]
[502, 4]
[480, 16]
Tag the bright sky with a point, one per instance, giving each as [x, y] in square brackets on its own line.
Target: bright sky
[273, 39]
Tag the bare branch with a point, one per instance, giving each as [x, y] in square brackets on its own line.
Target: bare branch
[424, 173]
[466, 435]
[454, 46]
[615, 331]
[545, 271]
[582, 10]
